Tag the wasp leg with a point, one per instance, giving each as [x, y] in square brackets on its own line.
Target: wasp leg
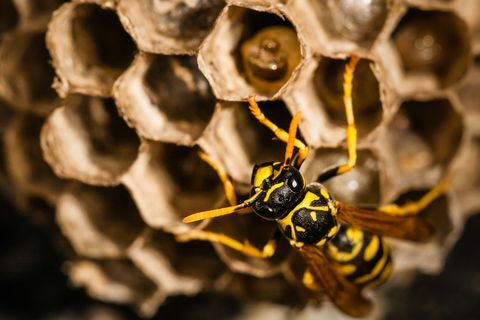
[413, 208]
[279, 133]
[351, 127]
[246, 248]
[222, 174]
[309, 281]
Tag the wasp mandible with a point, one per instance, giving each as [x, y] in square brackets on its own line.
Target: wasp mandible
[342, 245]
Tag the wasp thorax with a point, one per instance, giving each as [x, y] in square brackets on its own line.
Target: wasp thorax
[270, 56]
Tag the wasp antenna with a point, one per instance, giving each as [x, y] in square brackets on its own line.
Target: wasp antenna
[211, 213]
[292, 133]
[220, 212]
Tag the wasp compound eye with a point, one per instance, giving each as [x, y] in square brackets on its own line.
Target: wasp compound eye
[295, 181]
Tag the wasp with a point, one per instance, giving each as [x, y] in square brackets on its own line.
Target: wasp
[343, 246]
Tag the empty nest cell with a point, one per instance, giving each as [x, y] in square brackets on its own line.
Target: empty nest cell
[34, 15]
[257, 140]
[168, 182]
[116, 281]
[359, 21]
[24, 160]
[434, 43]
[89, 48]
[256, 231]
[85, 139]
[8, 16]
[165, 98]
[328, 83]
[99, 222]
[424, 134]
[318, 94]
[360, 186]
[469, 95]
[273, 291]
[169, 27]
[239, 141]
[437, 213]
[176, 268]
[250, 53]
[26, 75]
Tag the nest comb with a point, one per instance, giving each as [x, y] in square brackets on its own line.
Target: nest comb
[141, 85]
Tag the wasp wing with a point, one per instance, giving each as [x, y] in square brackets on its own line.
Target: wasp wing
[345, 295]
[381, 223]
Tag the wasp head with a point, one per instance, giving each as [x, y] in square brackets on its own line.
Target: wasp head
[280, 189]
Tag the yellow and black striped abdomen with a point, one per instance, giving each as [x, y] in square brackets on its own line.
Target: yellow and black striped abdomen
[363, 258]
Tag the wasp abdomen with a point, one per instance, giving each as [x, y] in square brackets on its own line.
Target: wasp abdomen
[363, 258]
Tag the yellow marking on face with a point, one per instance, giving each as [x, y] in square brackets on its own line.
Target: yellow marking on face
[321, 243]
[261, 174]
[273, 188]
[372, 248]
[324, 193]
[333, 231]
[313, 214]
[375, 271]
[300, 229]
[347, 269]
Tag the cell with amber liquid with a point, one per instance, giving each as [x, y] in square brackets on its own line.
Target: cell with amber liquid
[270, 57]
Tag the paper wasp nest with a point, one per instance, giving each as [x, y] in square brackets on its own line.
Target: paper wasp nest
[141, 85]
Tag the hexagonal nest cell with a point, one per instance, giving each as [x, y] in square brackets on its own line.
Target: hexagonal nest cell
[8, 16]
[425, 134]
[168, 183]
[87, 140]
[24, 160]
[100, 276]
[356, 21]
[169, 27]
[255, 53]
[25, 81]
[328, 82]
[165, 98]
[257, 232]
[258, 141]
[89, 48]
[108, 218]
[361, 186]
[437, 213]
[190, 175]
[433, 42]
